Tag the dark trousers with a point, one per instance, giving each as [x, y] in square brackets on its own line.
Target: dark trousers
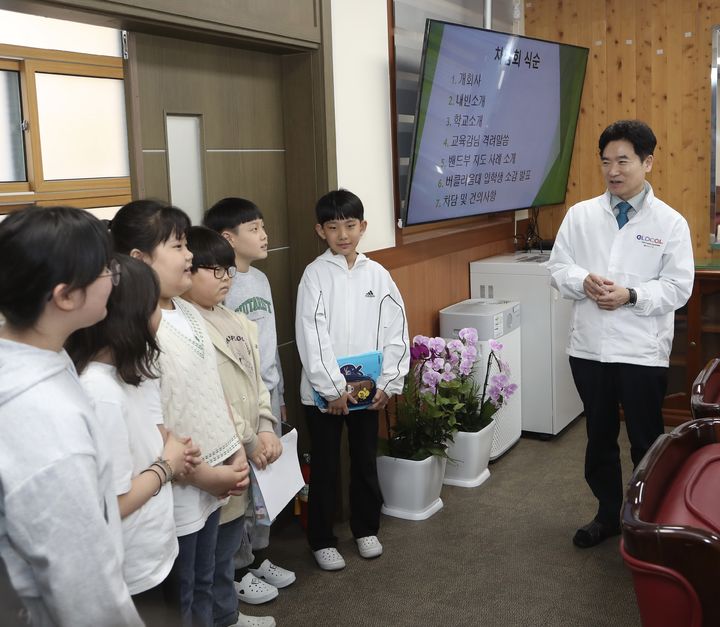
[365, 497]
[225, 600]
[160, 606]
[193, 573]
[603, 387]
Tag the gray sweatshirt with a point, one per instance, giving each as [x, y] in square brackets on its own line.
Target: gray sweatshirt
[60, 533]
[250, 294]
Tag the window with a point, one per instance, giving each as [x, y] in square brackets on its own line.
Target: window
[63, 129]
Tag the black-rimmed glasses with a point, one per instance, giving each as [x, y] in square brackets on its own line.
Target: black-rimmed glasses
[220, 272]
[114, 271]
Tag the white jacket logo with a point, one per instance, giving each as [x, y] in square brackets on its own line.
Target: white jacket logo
[647, 240]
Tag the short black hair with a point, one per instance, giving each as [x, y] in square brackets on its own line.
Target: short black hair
[638, 133]
[145, 224]
[41, 248]
[340, 204]
[227, 213]
[209, 248]
[125, 331]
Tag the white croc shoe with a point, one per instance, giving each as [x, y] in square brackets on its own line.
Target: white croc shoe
[369, 547]
[254, 621]
[274, 575]
[254, 591]
[329, 559]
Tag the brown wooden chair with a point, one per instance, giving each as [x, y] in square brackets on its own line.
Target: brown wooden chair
[671, 528]
[705, 396]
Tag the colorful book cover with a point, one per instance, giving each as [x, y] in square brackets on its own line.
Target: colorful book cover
[361, 373]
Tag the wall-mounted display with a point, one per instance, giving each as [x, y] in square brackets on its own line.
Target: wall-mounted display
[495, 123]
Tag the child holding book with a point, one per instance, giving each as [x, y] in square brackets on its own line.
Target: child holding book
[347, 305]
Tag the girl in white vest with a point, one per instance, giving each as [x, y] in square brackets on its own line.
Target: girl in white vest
[193, 404]
[116, 359]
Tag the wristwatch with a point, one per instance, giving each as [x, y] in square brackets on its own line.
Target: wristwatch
[632, 298]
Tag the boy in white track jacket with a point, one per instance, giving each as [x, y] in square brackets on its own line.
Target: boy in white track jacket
[347, 304]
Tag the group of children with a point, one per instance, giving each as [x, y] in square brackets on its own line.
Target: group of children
[132, 398]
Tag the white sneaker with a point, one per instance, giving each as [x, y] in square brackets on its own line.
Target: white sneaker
[252, 590]
[369, 547]
[254, 621]
[274, 575]
[329, 559]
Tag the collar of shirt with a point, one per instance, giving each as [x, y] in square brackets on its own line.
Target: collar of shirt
[636, 202]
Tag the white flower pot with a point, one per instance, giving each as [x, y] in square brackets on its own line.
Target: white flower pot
[411, 489]
[469, 455]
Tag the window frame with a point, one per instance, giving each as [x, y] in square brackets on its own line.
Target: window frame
[82, 192]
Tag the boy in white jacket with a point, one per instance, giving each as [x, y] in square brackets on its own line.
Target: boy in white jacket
[346, 305]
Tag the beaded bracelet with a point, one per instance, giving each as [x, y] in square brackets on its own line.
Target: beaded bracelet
[165, 466]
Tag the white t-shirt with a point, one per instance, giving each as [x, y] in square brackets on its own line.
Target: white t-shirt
[130, 416]
[176, 318]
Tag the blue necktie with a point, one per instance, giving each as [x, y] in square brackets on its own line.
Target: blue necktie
[622, 216]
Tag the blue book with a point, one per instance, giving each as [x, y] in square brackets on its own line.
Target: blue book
[361, 373]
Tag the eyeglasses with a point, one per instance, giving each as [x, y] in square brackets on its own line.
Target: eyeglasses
[220, 272]
[114, 271]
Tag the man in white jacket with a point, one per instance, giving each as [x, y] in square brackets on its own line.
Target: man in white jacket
[626, 260]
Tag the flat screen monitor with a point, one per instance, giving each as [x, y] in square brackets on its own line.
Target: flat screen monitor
[495, 123]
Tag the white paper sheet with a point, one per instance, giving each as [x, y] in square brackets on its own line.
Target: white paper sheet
[281, 480]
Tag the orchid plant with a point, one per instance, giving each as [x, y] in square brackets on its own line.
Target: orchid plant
[497, 389]
[439, 391]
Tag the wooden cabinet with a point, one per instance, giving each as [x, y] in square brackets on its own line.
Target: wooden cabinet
[697, 340]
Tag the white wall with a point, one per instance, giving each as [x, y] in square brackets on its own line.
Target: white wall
[361, 76]
[362, 112]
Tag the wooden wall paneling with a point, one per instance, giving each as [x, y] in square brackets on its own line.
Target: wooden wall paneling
[598, 106]
[133, 114]
[251, 88]
[673, 141]
[302, 143]
[305, 140]
[258, 176]
[584, 134]
[694, 193]
[644, 54]
[238, 91]
[658, 88]
[661, 78]
[706, 20]
[276, 267]
[627, 50]
[431, 284]
[155, 176]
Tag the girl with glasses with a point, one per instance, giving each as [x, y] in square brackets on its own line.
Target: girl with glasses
[60, 533]
[236, 347]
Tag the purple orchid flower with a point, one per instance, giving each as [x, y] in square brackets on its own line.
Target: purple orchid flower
[468, 335]
[495, 345]
[436, 345]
